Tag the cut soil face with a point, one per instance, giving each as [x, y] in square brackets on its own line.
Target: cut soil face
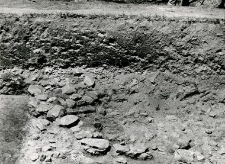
[192, 47]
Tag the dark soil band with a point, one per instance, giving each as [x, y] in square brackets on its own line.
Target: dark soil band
[187, 47]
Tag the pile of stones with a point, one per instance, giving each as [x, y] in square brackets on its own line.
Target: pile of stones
[61, 107]
[56, 110]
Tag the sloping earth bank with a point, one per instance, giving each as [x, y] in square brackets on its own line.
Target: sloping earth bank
[117, 89]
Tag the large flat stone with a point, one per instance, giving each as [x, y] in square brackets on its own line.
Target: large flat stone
[95, 146]
[69, 121]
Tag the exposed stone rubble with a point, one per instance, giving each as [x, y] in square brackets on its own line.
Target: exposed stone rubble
[57, 108]
[116, 120]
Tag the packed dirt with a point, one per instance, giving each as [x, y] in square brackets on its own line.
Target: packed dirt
[111, 89]
[118, 9]
[13, 120]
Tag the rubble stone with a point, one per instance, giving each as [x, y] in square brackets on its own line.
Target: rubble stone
[35, 89]
[83, 134]
[41, 124]
[68, 89]
[69, 121]
[75, 129]
[43, 108]
[47, 148]
[183, 155]
[95, 146]
[42, 97]
[33, 102]
[52, 99]
[89, 81]
[70, 103]
[136, 150]
[183, 142]
[86, 100]
[199, 156]
[55, 112]
[145, 156]
[121, 149]
[34, 156]
[75, 96]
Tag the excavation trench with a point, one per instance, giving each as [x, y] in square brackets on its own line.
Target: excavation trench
[133, 79]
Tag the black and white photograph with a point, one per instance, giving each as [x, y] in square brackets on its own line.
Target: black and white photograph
[112, 81]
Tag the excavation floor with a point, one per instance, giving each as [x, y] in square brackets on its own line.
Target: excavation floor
[13, 118]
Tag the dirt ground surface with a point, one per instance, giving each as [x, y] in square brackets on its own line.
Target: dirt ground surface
[101, 8]
[13, 119]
